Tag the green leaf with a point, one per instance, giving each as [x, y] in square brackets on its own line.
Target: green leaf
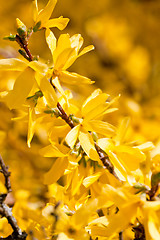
[155, 179]
[11, 37]
[37, 26]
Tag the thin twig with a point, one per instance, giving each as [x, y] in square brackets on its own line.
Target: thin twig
[24, 45]
[139, 232]
[64, 115]
[6, 174]
[106, 161]
[121, 235]
[5, 211]
[153, 191]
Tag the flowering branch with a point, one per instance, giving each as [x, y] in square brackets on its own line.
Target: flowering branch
[102, 155]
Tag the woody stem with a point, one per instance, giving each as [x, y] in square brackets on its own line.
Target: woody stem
[5, 211]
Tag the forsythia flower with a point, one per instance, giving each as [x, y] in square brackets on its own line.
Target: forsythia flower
[41, 18]
[124, 157]
[74, 226]
[130, 208]
[94, 107]
[26, 81]
[60, 164]
[64, 53]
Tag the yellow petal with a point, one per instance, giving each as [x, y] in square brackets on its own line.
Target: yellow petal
[103, 128]
[62, 44]
[12, 64]
[60, 131]
[47, 90]
[74, 56]
[96, 111]
[35, 10]
[21, 89]
[130, 157]
[106, 144]
[87, 144]
[63, 57]
[110, 110]
[148, 146]
[91, 179]
[31, 125]
[82, 215]
[45, 14]
[121, 132]
[151, 224]
[57, 84]
[152, 229]
[115, 161]
[152, 205]
[56, 171]
[71, 137]
[38, 66]
[116, 195]
[93, 102]
[77, 179]
[60, 23]
[98, 230]
[85, 50]
[76, 42]
[119, 221]
[94, 94]
[51, 40]
[51, 151]
[73, 78]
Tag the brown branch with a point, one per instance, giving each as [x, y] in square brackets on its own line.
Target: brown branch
[64, 116]
[153, 191]
[139, 232]
[106, 161]
[5, 211]
[25, 47]
[121, 235]
[23, 44]
[6, 173]
[62, 113]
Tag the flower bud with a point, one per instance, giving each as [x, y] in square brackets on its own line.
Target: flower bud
[21, 28]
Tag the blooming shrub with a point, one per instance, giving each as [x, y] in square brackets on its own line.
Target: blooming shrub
[84, 174]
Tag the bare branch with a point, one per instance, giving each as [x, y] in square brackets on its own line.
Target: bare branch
[6, 211]
[6, 174]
